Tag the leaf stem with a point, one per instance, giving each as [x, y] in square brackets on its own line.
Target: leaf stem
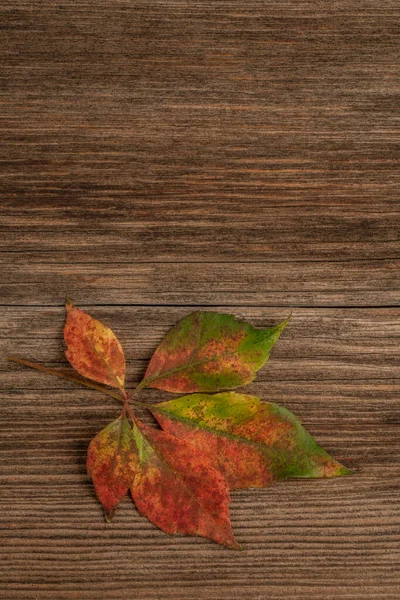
[127, 408]
[130, 413]
[63, 375]
[140, 385]
[88, 384]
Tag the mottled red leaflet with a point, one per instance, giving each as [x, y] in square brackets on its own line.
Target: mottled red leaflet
[112, 463]
[251, 442]
[93, 349]
[178, 489]
[207, 352]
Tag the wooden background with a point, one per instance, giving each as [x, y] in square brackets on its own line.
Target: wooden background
[242, 156]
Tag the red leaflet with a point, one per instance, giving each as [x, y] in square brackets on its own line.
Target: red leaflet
[112, 463]
[93, 349]
[178, 489]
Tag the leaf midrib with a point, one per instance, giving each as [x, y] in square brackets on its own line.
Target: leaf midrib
[186, 366]
[231, 436]
[261, 447]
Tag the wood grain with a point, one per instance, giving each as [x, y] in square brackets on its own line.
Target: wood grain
[166, 156]
[196, 230]
[372, 283]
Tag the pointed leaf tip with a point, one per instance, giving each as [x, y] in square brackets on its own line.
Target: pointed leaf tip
[109, 515]
[344, 471]
[235, 546]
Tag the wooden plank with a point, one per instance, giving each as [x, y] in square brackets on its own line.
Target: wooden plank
[180, 137]
[373, 283]
[169, 230]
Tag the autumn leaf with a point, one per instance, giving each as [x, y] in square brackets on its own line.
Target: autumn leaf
[178, 489]
[251, 442]
[93, 349]
[208, 352]
[112, 463]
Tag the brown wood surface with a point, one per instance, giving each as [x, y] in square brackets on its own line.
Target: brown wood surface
[233, 155]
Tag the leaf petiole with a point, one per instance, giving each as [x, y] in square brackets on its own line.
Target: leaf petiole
[88, 384]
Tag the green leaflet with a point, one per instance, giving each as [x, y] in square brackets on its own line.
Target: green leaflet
[208, 351]
[251, 442]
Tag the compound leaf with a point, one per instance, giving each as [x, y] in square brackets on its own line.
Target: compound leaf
[112, 463]
[251, 442]
[208, 352]
[178, 489]
[93, 349]
[180, 476]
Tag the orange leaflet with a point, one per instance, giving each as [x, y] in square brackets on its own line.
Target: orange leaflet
[93, 349]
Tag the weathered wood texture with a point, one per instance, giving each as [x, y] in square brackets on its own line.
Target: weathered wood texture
[238, 156]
